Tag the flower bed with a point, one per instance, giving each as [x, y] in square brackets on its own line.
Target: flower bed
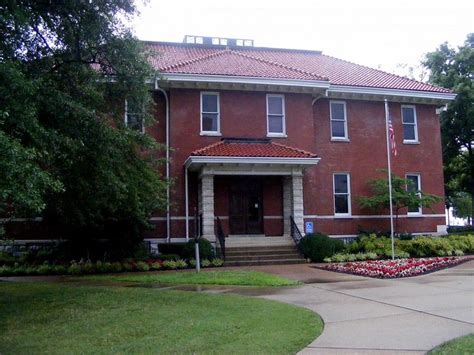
[98, 267]
[387, 269]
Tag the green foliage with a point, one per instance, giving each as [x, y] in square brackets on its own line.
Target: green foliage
[452, 68]
[206, 251]
[205, 263]
[64, 150]
[216, 262]
[319, 246]
[462, 205]
[402, 196]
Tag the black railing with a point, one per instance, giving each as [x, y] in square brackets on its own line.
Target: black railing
[295, 231]
[220, 240]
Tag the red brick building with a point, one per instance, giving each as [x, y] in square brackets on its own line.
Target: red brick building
[261, 134]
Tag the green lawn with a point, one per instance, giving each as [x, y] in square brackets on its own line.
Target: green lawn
[40, 318]
[241, 278]
[462, 346]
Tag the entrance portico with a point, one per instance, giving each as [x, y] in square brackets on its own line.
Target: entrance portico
[241, 179]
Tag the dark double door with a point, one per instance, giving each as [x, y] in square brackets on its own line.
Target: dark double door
[246, 206]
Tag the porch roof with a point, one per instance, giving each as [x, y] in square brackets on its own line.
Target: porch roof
[251, 151]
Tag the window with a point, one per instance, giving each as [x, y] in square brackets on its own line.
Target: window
[338, 120]
[134, 115]
[410, 129]
[414, 185]
[342, 194]
[276, 115]
[210, 117]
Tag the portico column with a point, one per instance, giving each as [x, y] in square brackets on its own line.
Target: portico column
[297, 199]
[207, 206]
[287, 204]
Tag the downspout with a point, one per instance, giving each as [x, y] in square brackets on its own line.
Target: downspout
[168, 214]
[186, 192]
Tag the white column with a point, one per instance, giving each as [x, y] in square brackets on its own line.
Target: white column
[207, 206]
[297, 199]
[287, 204]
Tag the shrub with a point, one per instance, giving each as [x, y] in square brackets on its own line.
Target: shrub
[59, 269]
[127, 266]
[192, 262]
[169, 257]
[88, 268]
[6, 259]
[155, 266]
[142, 266]
[458, 252]
[327, 260]
[5, 270]
[206, 251]
[74, 269]
[339, 258]
[205, 263]
[318, 246]
[116, 267]
[216, 262]
[172, 249]
[170, 264]
[181, 264]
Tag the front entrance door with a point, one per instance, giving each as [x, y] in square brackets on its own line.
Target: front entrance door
[246, 207]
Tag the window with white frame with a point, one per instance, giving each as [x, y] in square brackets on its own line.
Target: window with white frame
[414, 185]
[210, 113]
[338, 115]
[342, 194]
[134, 115]
[410, 128]
[276, 115]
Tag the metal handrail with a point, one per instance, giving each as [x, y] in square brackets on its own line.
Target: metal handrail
[220, 238]
[295, 231]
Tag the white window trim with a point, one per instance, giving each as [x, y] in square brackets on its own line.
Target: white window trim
[420, 208]
[211, 133]
[410, 141]
[283, 110]
[125, 118]
[349, 209]
[346, 133]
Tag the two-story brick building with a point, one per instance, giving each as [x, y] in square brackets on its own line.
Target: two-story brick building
[257, 135]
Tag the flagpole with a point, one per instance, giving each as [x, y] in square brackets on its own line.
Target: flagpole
[389, 163]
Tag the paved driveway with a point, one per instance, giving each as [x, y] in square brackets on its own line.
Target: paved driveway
[364, 315]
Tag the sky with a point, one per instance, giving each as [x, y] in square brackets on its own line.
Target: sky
[380, 34]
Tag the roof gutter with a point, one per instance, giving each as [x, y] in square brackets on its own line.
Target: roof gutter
[324, 84]
[443, 96]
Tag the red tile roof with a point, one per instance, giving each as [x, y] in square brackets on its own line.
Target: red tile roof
[275, 63]
[263, 148]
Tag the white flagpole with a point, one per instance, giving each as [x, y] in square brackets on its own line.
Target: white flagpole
[389, 177]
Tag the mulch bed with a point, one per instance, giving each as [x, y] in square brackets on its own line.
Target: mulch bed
[389, 269]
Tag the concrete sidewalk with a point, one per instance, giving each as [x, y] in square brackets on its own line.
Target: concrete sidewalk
[371, 316]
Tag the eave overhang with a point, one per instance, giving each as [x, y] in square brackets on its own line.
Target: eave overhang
[316, 87]
[196, 162]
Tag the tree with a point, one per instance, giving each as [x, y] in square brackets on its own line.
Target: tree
[454, 69]
[462, 206]
[66, 68]
[404, 195]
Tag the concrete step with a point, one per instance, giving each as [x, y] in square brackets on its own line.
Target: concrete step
[264, 262]
[272, 248]
[251, 252]
[262, 257]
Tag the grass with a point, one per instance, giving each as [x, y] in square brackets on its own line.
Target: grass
[462, 345]
[38, 318]
[240, 278]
